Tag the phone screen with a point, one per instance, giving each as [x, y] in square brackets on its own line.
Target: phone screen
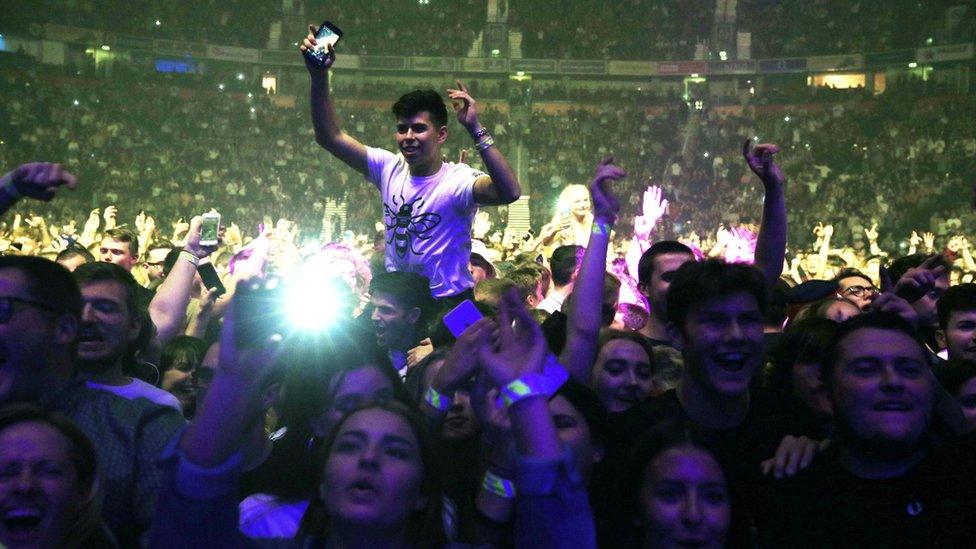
[327, 35]
[209, 230]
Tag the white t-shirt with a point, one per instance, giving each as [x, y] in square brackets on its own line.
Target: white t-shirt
[428, 220]
[138, 388]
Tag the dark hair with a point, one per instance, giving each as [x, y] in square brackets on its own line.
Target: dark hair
[848, 272]
[527, 279]
[47, 282]
[877, 320]
[83, 458]
[777, 310]
[181, 346]
[818, 309]
[479, 260]
[75, 250]
[900, 266]
[608, 335]
[103, 271]
[417, 101]
[425, 528]
[802, 341]
[961, 297]
[588, 404]
[563, 263]
[698, 282]
[490, 290]
[954, 374]
[409, 289]
[609, 300]
[645, 267]
[126, 236]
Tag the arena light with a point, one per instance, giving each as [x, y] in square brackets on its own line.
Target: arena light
[723, 55]
[912, 65]
[270, 83]
[240, 76]
[220, 86]
[158, 22]
[313, 301]
[106, 47]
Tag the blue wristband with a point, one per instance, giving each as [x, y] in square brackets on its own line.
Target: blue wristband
[437, 400]
[546, 384]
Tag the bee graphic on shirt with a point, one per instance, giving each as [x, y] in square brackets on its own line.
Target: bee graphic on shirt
[404, 225]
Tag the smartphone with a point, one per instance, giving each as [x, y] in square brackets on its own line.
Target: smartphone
[257, 311]
[328, 34]
[210, 229]
[461, 317]
[210, 279]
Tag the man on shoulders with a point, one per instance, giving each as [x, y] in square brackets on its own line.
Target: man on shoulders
[429, 204]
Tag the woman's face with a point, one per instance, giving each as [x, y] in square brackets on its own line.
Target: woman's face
[178, 380]
[365, 385]
[685, 500]
[579, 201]
[374, 471]
[622, 374]
[39, 487]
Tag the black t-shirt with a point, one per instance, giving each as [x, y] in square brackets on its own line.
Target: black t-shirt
[740, 450]
[933, 505]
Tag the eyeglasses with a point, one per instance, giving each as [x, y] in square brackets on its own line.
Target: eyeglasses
[858, 291]
[7, 306]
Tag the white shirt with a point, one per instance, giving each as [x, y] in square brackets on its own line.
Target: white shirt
[138, 388]
[428, 219]
[552, 303]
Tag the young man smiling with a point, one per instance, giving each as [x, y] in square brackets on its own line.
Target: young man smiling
[429, 204]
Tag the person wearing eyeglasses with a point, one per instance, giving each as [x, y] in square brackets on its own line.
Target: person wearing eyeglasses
[855, 286]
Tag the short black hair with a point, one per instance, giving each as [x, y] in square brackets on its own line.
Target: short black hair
[878, 320]
[528, 278]
[697, 282]
[563, 263]
[417, 101]
[104, 271]
[645, 267]
[75, 250]
[802, 341]
[848, 272]
[47, 282]
[409, 289]
[954, 374]
[961, 297]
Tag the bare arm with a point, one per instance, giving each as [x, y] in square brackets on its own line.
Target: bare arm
[168, 308]
[771, 242]
[328, 133]
[39, 180]
[501, 186]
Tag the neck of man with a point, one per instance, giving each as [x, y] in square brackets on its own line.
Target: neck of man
[868, 461]
[427, 168]
[708, 409]
[355, 537]
[655, 328]
[564, 291]
[107, 372]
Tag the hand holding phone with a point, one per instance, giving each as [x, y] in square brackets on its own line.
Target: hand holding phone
[318, 46]
[461, 317]
[210, 229]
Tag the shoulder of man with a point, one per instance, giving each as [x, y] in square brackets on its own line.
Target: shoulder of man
[96, 411]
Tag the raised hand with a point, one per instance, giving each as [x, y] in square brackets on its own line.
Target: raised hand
[180, 227]
[760, 161]
[605, 204]
[828, 231]
[520, 348]
[464, 106]
[928, 239]
[193, 240]
[872, 233]
[91, 224]
[915, 239]
[110, 215]
[653, 209]
[141, 221]
[309, 43]
[37, 180]
[917, 282]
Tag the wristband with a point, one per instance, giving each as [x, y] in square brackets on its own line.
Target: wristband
[599, 227]
[485, 144]
[438, 401]
[189, 257]
[501, 487]
[482, 131]
[546, 384]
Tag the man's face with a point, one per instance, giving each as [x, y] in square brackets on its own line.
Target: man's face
[27, 336]
[721, 342]
[857, 289]
[881, 389]
[153, 266]
[622, 374]
[107, 327]
[928, 314]
[394, 325]
[960, 335]
[114, 251]
[657, 291]
[419, 139]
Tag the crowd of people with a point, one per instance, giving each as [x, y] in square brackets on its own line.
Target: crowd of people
[749, 327]
[640, 29]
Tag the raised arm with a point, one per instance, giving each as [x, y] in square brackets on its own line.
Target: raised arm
[328, 132]
[37, 180]
[584, 318]
[168, 308]
[501, 186]
[771, 243]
